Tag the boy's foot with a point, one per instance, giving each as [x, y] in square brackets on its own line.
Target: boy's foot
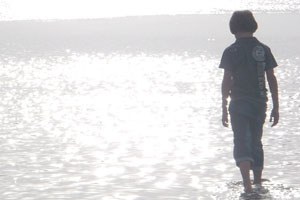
[250, 196]
[258, 188]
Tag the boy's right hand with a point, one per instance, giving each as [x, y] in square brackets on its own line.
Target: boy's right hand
[274, 117]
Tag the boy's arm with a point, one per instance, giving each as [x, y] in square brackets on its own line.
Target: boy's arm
[226, 86]
[274, 92]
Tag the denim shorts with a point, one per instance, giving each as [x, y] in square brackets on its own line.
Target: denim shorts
[247, 119]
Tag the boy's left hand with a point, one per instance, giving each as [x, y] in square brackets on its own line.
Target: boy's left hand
[225, 118]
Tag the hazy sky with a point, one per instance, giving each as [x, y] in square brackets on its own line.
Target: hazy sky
[49, 9]
[66, 9]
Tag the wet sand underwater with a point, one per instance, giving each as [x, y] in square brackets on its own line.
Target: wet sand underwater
[134, 114]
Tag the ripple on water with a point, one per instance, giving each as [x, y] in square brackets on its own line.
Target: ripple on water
[125, 127]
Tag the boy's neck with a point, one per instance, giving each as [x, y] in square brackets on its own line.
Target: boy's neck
[243, 35]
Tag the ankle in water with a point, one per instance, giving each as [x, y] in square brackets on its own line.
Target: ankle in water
[247, 188]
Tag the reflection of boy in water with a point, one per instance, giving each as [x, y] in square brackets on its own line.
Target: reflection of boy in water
[245, 64]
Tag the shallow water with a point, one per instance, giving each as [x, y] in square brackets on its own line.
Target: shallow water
[124, 126]
[101, 109]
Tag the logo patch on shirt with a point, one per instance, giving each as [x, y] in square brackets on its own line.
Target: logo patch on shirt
[258, 53]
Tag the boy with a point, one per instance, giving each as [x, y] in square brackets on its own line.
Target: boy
[245, 64]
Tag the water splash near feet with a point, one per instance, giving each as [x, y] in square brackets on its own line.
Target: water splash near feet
[267, 191]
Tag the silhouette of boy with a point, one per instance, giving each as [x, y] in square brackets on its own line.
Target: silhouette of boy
[245, 64]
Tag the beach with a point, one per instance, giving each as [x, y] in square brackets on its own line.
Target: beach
[130, 109]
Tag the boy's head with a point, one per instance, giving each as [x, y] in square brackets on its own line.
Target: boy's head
[242, 21]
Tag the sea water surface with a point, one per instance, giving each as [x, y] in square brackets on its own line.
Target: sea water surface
[129, 109]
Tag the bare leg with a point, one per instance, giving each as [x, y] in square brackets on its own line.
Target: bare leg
[245, 172]
[257, 176]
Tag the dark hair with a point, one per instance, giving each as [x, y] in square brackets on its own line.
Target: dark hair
[242, 21]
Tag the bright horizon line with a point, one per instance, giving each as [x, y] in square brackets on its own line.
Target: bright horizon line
[134, 16]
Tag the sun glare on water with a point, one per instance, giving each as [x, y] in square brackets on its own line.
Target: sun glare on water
[83, 119]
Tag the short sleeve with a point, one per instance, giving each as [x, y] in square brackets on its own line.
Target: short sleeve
[226, 61]
[270, 60]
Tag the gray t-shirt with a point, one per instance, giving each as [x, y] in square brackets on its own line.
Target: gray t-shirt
[248, 59]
